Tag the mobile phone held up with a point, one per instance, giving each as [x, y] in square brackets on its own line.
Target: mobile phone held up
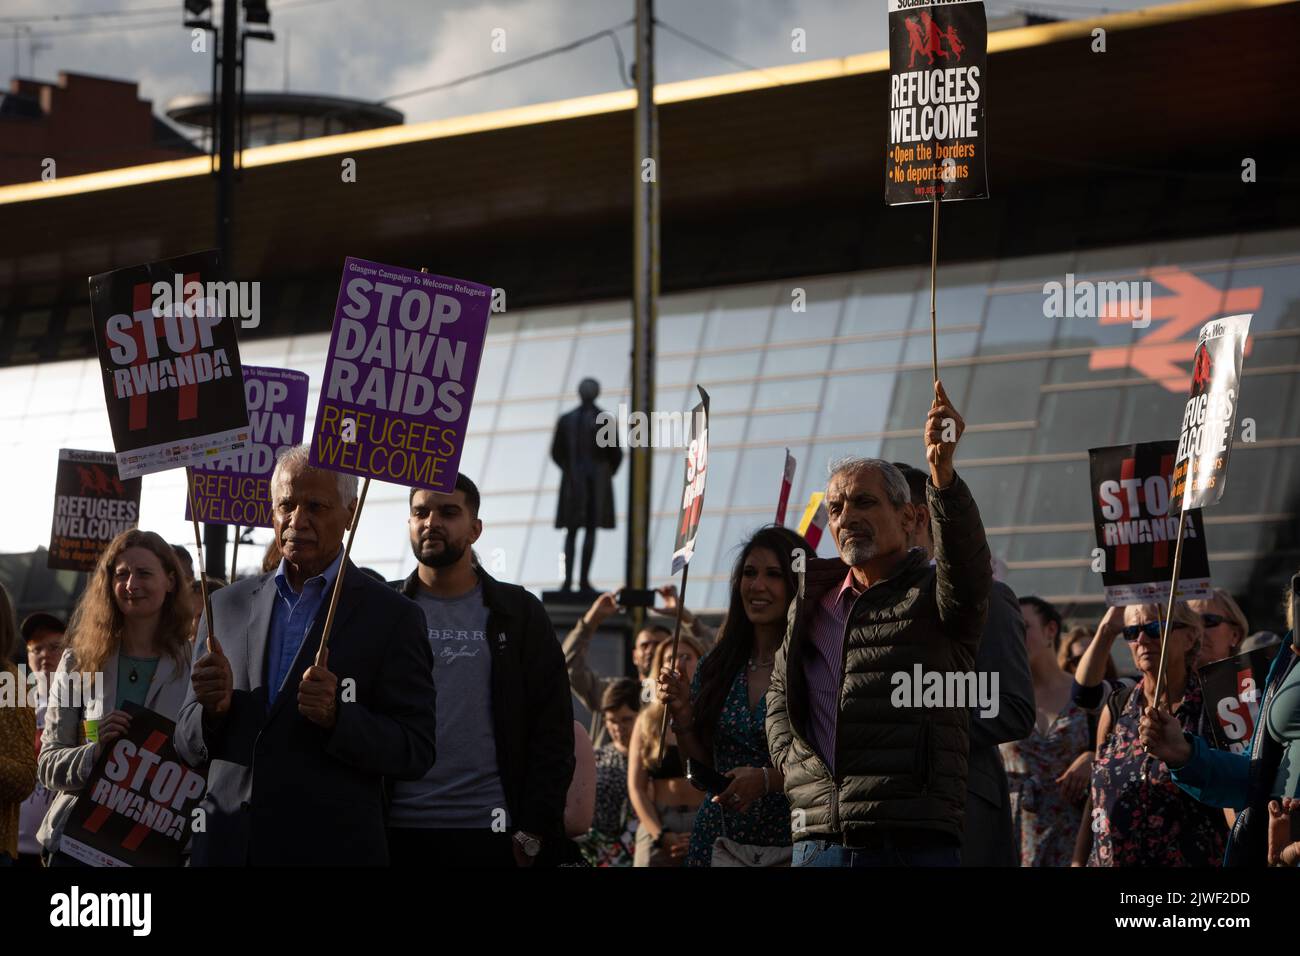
[705, 778]
[636, 597]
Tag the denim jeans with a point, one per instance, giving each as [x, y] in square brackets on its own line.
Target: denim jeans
[825, 853]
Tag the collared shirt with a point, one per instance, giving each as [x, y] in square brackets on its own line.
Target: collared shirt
[824, 666]
[291, 620]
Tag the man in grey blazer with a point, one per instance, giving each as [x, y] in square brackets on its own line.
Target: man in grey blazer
[298, 752]
[989, 839]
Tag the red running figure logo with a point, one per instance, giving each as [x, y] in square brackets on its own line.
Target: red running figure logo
[929, 42]
[1201, 370]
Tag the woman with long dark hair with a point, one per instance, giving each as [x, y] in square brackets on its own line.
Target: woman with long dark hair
[131, 629]
[720, 722]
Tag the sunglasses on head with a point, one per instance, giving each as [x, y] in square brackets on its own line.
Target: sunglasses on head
[1213, 620]
[1133, 632]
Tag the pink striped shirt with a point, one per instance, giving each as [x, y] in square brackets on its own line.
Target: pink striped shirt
[824, 667]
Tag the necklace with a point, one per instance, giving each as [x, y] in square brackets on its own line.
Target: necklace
[756, 664]
[135, 675]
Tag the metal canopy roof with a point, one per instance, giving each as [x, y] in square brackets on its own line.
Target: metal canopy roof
[1204, 82]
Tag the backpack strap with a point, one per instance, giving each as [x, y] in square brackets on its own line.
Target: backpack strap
[1115, 703]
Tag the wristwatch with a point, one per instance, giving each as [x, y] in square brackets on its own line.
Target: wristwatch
[528, 843]
[658, 842]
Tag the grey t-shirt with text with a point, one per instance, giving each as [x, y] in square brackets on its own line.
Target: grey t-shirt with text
[463, 789]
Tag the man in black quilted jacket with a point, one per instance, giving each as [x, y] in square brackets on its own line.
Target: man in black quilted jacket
[875, 769]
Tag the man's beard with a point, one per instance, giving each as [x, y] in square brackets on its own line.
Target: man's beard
[445, 558]
[858, 551]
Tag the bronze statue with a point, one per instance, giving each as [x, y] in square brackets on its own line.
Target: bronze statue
[587, 486]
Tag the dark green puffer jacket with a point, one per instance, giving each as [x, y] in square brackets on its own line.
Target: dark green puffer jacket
[896, 767]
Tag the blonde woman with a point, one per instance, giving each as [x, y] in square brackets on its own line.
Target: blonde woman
[664, 800]
[131, 629]
[1139, 815]
[1225, 626]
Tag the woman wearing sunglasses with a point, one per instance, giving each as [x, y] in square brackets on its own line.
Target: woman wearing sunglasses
[1257, 782]
[1139, 816]
[1225, 626]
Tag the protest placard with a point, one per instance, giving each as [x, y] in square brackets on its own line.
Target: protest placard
[1232, 690]
[172, 379]
[787, 482]
[1209, 421]
[697, 469]
[237, 489]
[137, 806]
[937, 92]
[1137, 529]
[1209, 417]
[812, 525]
[92, 506]
[399, 379]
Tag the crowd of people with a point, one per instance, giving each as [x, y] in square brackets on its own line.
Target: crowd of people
[436, 727]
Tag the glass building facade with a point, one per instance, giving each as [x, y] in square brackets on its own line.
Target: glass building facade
[825, 366]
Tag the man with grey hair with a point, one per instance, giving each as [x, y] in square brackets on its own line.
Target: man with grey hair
[298, 751]
[872, 780]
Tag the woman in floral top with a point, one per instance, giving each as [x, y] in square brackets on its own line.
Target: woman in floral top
[1048, 771]
[1140, 816]
[611, 840]
[721, 722]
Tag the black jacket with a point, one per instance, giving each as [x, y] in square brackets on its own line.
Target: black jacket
[990, 839]
[896, 767]
[532, 713]
[281, 790]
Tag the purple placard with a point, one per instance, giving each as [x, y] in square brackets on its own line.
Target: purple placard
[237, 489]
[399, 380]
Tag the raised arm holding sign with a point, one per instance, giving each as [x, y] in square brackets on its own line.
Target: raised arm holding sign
[937, 82]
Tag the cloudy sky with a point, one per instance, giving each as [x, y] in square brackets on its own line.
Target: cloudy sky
[376, 49]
